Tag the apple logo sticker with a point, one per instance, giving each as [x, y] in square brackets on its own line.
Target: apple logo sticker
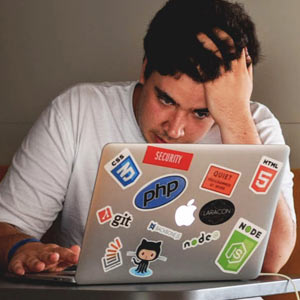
[185, 214]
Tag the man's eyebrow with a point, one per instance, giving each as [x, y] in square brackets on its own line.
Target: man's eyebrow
[163, 94]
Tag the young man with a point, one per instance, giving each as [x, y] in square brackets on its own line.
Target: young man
[195, 87]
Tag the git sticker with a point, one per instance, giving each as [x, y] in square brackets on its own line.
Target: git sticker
[124, 169]
[239, 247]
[220, 180]
[265, 174]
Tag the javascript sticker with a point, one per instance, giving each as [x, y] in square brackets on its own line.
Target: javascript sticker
[220, 180]
[243, 240]
[265, 174]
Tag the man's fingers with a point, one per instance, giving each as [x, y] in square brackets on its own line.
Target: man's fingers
[16, 267]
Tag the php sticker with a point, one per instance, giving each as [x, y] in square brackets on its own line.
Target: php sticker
[112, 258]
[240, 245]
[265, 174]
[220, 180]
[160, 192]
[123, 169]
[146, 253]
[155, 227]
[168, 158]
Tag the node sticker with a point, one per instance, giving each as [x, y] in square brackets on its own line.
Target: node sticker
[124, 169]
[112, 258]
[201, 239]
[220, 180]
[168, 158]
[239, 247]
[265, 174]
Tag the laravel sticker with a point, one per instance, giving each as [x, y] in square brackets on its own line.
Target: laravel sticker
[168, 158]
[220, 180]
[265, 174]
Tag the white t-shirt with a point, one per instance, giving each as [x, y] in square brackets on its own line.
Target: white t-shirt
[55, 168]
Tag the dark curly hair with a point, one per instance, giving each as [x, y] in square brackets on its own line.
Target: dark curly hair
[171, 45]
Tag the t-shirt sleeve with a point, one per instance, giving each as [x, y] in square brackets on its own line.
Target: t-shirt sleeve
[270, 132]
[33, 191]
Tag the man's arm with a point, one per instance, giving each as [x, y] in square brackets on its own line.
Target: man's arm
[228, 101]
[33, 256]
[282, 239]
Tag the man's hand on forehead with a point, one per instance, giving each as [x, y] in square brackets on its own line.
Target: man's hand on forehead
[221, 45]
[228, 96]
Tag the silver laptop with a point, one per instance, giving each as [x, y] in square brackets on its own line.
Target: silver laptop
[179, 212]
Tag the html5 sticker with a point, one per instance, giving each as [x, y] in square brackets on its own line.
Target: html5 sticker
[220, 180]
[265, 174]
[168, 158]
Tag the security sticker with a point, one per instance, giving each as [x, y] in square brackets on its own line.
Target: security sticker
[155, 227]
[146, 253]
[220, 180]
[168, 158]
[113, 257]
[124, 169]
[265, 174]
[239, 247]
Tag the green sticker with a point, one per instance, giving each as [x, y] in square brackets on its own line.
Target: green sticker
[240, 245]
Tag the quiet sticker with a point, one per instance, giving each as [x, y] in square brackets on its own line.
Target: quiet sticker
[168, 158]
[240, 245]
[265, 174]
[220, 180]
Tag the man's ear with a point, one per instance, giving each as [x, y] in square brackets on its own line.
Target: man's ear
[142, 74]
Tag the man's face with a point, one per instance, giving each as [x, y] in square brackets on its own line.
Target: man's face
[171, 110]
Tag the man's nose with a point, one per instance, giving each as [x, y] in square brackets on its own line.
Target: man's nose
[175, 125]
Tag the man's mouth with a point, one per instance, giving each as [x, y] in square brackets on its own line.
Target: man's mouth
[159, 140]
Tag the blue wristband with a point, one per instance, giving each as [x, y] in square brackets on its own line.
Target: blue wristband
[17, 245]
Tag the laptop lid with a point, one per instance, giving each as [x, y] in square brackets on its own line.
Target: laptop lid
[180, 212]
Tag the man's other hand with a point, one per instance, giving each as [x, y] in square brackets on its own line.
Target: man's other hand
[37, 257]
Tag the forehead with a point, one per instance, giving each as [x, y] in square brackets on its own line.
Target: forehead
[182, 89]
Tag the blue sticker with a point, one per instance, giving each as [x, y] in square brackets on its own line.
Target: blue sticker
[160, 192]
[123, 169]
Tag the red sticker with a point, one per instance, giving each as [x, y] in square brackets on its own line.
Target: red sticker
[220, 180]
[168, 158]
[265, 175]
[104, 214]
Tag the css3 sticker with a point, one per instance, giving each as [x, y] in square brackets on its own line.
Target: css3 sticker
[160, 192]
[265, 174]
[239, 247]
[123, 169]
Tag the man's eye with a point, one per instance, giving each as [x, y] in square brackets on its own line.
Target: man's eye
[166, 101]
[201, 114]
